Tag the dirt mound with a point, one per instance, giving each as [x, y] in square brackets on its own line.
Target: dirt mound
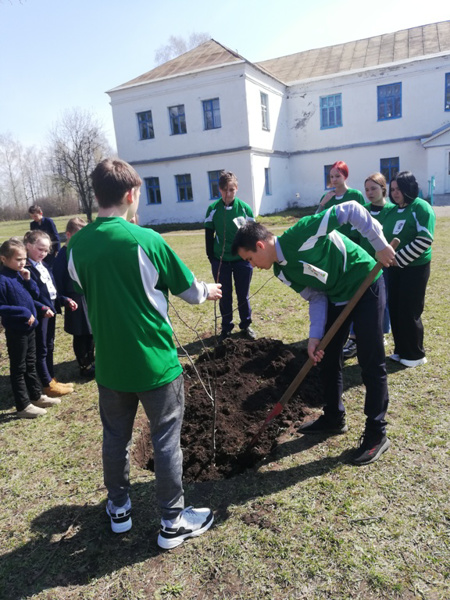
[249, 379]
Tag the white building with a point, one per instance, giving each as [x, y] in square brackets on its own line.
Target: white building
[381, 103]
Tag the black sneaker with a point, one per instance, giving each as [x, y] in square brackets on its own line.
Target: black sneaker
[249, 333]
[371, 447]
[324, 425]
[349, 349]
[223, 336]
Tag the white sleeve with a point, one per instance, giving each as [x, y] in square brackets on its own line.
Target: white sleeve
[358, 216]
[318, 311]
[196, 294]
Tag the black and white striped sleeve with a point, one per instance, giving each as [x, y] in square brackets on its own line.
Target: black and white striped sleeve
[412, 251]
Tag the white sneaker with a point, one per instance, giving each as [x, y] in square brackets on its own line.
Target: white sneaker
[120, 516]
[413, 363]
[395, 357]
[191, 522]
[44, 401]
[31, 412]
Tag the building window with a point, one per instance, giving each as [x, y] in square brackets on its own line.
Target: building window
[153, 190]
[389, 167]
[267, 182]
[447, 91]
[326, 170]
[265, 111]
[213, 179]
[331, 111]
[145, 122]
[177, 119]
[211, 113]
[389, 101]
[184, 188]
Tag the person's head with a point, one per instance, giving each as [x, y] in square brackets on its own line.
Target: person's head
[375, 188]
[403, 188]
[255, 243]
[115, 182]
[38, 244]
[35, 212]
[74, 225]
[13, 254]
[228, 186]
[338, 174]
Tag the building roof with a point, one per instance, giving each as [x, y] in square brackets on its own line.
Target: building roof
[361, 54]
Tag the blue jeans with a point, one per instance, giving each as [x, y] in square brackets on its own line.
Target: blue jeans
[164, 408]
[224, 272]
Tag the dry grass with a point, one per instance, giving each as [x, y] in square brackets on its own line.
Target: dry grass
[305, 524]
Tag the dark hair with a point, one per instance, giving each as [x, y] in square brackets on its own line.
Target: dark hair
[408, 186]
[75, 224]
[35, 209]
[10, 247]
[341, 167]
[247, 236]
[112, 179]
[225, 178]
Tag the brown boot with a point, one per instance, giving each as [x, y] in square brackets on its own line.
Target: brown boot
[64, 385]
[54, 389]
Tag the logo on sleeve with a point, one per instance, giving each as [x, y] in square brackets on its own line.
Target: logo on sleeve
[399, 226]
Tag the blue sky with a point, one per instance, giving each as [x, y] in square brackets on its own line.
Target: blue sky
[61, 54]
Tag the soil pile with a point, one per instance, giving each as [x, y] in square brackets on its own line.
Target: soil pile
[249, 378]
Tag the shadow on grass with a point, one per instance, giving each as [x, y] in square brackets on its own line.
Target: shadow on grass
[73, 544]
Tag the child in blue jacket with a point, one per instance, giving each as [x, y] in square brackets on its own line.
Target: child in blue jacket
[18, 302]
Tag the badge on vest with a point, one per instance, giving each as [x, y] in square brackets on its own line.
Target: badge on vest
[399, 226]
[239, 222]
[314, 272]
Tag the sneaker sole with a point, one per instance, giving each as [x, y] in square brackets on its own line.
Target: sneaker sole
[324, 431]
[121, 527]
[169, 544]
[376, 456]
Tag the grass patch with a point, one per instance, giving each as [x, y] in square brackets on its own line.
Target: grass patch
[325, 529]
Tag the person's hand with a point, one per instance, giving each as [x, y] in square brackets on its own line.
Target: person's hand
[314, 354]
[25, 274]
[71, 304]
[386, 256]
[327, 197]
[48, 314]
[214, 291]
[31, 320]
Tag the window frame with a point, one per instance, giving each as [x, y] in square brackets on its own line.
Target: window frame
[383, 102]
[178, 119]
[214, 112]
[213, 180]
[153, 189]
[265, 121]
[447, 92]
[184, 184]
[329, 108]
[145, 124]
[392, 167]
[267, 181]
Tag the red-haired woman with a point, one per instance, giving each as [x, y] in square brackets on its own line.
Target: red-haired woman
[340, 193]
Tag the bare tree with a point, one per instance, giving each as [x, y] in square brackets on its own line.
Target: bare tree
[77, 145]
[10, 172]
[178, 45]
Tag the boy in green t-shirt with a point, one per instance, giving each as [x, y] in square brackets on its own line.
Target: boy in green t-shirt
[126, 273]
[327, 268]
[223, 219]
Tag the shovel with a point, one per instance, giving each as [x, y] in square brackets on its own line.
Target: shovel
[322, 345]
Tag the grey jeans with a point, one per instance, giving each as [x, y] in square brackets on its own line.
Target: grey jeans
[164, 408]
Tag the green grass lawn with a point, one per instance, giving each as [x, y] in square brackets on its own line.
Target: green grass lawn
[304, 525]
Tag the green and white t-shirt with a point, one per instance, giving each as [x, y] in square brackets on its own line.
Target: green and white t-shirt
[315, 255]
[414, 226]
[378, 213]
[350, 194]
[126, 273]
[225, 221]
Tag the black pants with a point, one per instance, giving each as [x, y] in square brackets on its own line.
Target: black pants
[45, 343]
[367, 317]
[22, 366]
[406, 289]
[224, 272]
